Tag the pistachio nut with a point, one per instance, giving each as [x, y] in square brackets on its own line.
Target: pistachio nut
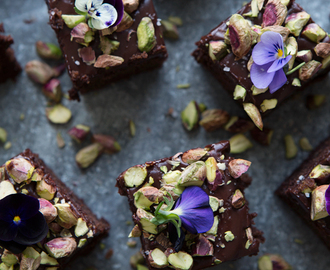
[305, 55]
[135, 176]
[202, 247]
[172, 177]
[214, 203]
[237, 167]
[61, 247]
[322, 50]
[238, 125]
[19, 169]
[213, 119]
[326, 62]
[30, 259]
[53, 90]
[45, 259]
[3, 135]
[278, 29]
[87, 54]
[239, 92]
[136, 232]
[291, 149]
[82, 34]
[265, 263]
[130, 5]
[239, 143]
[79, 132]
[318, 205]
[108, 46]
[305, 145]
[87, 155]
[107, 31]
[180, 260]
[263, 137]
[217, 50]
[105, 61]
[211, 169]
[193, 155]
[109, 143]
[274, 14]
[170, 30]
[256, 6]
[238, 199]
[202, 107]
[190, 115]
[125, 23]
[73, 20]
[9, 258]
[37, 175]
[274, 261]
[175, 191]
[285, 2]
[296, 82]
[145, 221]
[48, 50]
[193, 175]
[254, 114]
[249, 236]
[229, 236]
[320, 172]
[268, 104]
[315, 101]
[292, 49]
[146, 35]
[45, 190]
[48, 210]
[157, 258]
[66, 216]
[308, 70]
[58, 114]
[249, 64]
[39, 72]
[146, 196]
[314, 32]
[258, 91]
[176, 20]
[240, 35]
[81, 228]
[296, 21]
[214, 228]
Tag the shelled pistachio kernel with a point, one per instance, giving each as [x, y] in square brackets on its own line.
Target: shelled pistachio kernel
[146, 196]
[125, 23]
[257, 91]
[254, 114]
[88, 155]
[146, 35]
[318, 204]
[296, 82]
[268, 104]
[181, 260]
[229, 236]
[322, 49]
[214, 228]
[3, 135]
[239, 143]
[30, 259]
[193, 175]
[145, 221]
[274, 14]
[9, 258]
[305, 145]
[45, 259]
[292, 49]
[190, 115]
[270, 261]
[217, 50]
[320, 172]
[135, 176]
[170, 30]
[172, 177]
[237, 167]
[19, 169]
[66, 216]
[211, 169]
[136, 232]
[249, 236]
[58, 114]
[291, 149]
[214, 119]
[239, 92]
[304, 55]
[238, 199]
[308, 70]
[61, 247]
[314, 32]
[202, 246]
[193, 155]
[6, 188]
[296, 21]
[81, 228]
[214, 203]
[157, 258]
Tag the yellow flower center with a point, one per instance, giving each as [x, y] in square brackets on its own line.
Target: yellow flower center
[17, 219]
[280, 53]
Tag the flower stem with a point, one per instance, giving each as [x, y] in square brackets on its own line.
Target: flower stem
[294, 69]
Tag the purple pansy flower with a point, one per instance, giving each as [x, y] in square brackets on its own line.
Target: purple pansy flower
[101, 15]
[269, 59]
[327, 199]
[21, 223]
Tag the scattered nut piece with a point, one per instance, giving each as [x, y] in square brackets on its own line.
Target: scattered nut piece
[48, 210]
[305, 55]
[238, 199]
[268, 104]
[45, 259]
[291, 149]
[292, 49]
[45, 190]
[108, 46]
[239, 143]
[202, 247]
[30, 259]
[82, 34]
[211, 169]
[6, 188]
[190, 115]
[73, 20]
[229, 236]
[39, 71]
[214, 203]
[145, 221]
[217, 50]
[104, 61]
[130, 5]
[60, 141]
[136, 259]
[284, 31]
[180, 260]
[131, 243]
[176, 20]
[257, 91]
[170, 30]
[19, 169]
[322, 49]
[58, 114]
[48, 50]
[81, 228]
[193, 175]
[146, 196]
[109, 143]
[320, 172]
[61, 247]
[254, 114]
[308, 70]
[87, 54]
[87, 155]
[125, 23]
[79, 132]
[157, 258]
[3, 135]
[296, 82]
[53, 90]
[274, 14]
[66, 216]
[214, 228]
[296, 21]
[136, 232]
[237, 167]
[132, 129]
[305, 145]
[193, 155]
[249, 236]
[238, 125]
[213, 119]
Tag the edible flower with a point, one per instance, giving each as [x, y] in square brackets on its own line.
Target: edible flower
[269, 57]
[191, 210]
[101, 16]
[21, 223]
[327, 199]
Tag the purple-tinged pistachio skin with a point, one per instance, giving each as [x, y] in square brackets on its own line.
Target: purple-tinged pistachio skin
[39, 71]
[48, 210]
[79, 132]
[322, 49]
[305, 55]
[109, 143]
[308, 70]
[274, 14]
[296, 21]
[87, 54]
[61, 247]
[53, 90]
[314, 32]
[202, 247]
[48, 50]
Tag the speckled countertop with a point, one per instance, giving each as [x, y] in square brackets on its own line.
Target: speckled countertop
[145, 99]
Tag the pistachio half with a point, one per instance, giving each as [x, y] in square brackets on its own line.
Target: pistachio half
[237, 167]
[274, 14]
[145, 221]
[105, 61]
[146, 35]
[6, 188]
[308, 70]
[202, 247]
[254, 114]
[320, 172]
[19, 169]
[135, 176]
[193, 175]
[291, 149]
[157, 258]
[61, 247]
[45, 190]
[314, 32]
[58, 114]
[190, 115]
[268, 104]
[238, 199]
[296, 21]
[48, 210]
[217, 50]
[125, 23]
[213, 119]
[66, 216]
[30, 259]
[146, 196]
[88, 155]
[180, 260]
[239, 143]
[193, 155]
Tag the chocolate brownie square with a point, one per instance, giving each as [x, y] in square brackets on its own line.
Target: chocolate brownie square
[119, 42]
[211, 172]
[304, 190]
[226, 51]
[73, 229]
[9, 67]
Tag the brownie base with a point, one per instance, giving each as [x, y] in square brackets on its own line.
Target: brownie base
[291, 190]
[99, 227]
[235, 220]
[239, 74]
[9, 67]
[87, 78]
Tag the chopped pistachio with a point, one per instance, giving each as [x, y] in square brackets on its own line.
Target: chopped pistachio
[315, 101]
[257, 91]
[145, 221]
[146, 35]
[157, 258]
[87, 155]
[309, 69]
[292, 49]
[105, 61]
[135, 176]
[81, 228]
[169, 30]
[7, 145]
[176, 20]
[263, 137]
[305, 55]
[109, 143]
[181, 260]
[87, 54]
[136, 232]
[73, 20]
[320, 172]
[108, 46]
[183, 86]
[268, 104]
[305, 145]
[171, 177]
[237, 167]
[194, 174]
[211, 168]
[274, 14]
[214, 228]
[314, 32]
[229, 236]
[254, 114]
[213, 119]
[58, 114]
[6, 188]
[190, 115]
[239, 92]
[125, 23]
[132, 129]
[214, 203]
[3, 135]
[53, 90]
[48, 50]
[326, 62]
[277, 29]
[239, 143]
[39, 72]
[238, 199]
[296, 21]
[296, 82]
[130, 6]
[193, 155]
[291, 149]
[217, 50]
[322, 49]
[60, 141]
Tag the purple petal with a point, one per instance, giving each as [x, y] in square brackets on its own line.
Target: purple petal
[260, 77]
[119, 6]
[264, 53]
[327, 199]
[193, 197]
[8, 231]
[272, 39]
[13, 246]
[278, 81]
[198, 220]
[279, 63]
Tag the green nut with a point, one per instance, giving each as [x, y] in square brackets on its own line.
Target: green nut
[268, 104]
[190, 115]
[19, 169]
[135, 176]
[172, 177]
[308, 70]
[217, 50]
[254, 114]
[318, 205]
[239, 92]
[292, 49]
[320, 172]
[291, 149]
[73, 20]
[193, 175]
[146, 196]
[145, 220]
[180, 260]
[193, 155]
[146, 35]
[296, 82]
[296, 21]
[239, 143]
[214, 228]
[305, 55]
[314, 32]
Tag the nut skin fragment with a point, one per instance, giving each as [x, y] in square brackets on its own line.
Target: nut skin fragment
[61, 247]
[130, 5]
[146, 35]
[237, 167]
[308, 70]
[240, 35]
[157, 258]
[82, 34]
[296, 21]
[322, 49]
[274, 14]
[135, 176]
[202, 247]
[238, 199]
[87, 155]
[314, 32]
[193, 155]
[87, 54]
[104, 61]
[48, 210]
[305, 55]
[318, 205]
[254, 114]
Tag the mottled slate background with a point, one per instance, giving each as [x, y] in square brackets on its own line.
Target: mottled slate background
[145, 99]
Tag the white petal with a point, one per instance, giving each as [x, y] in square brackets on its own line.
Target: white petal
[95, 4]
[107, 14]
[82, 5]
[96, 24]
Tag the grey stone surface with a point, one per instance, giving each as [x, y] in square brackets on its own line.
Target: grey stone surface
[145, 99]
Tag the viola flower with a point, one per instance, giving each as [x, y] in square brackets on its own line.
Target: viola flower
[101, 16]
[192, 211]
[327, 200]
[21, 223]
[269, 59]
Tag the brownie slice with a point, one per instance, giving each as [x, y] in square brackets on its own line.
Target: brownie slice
[231, 208]
[9, 67]
[233, 71]
[68, 218]
[297, 189]
[87, 77]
